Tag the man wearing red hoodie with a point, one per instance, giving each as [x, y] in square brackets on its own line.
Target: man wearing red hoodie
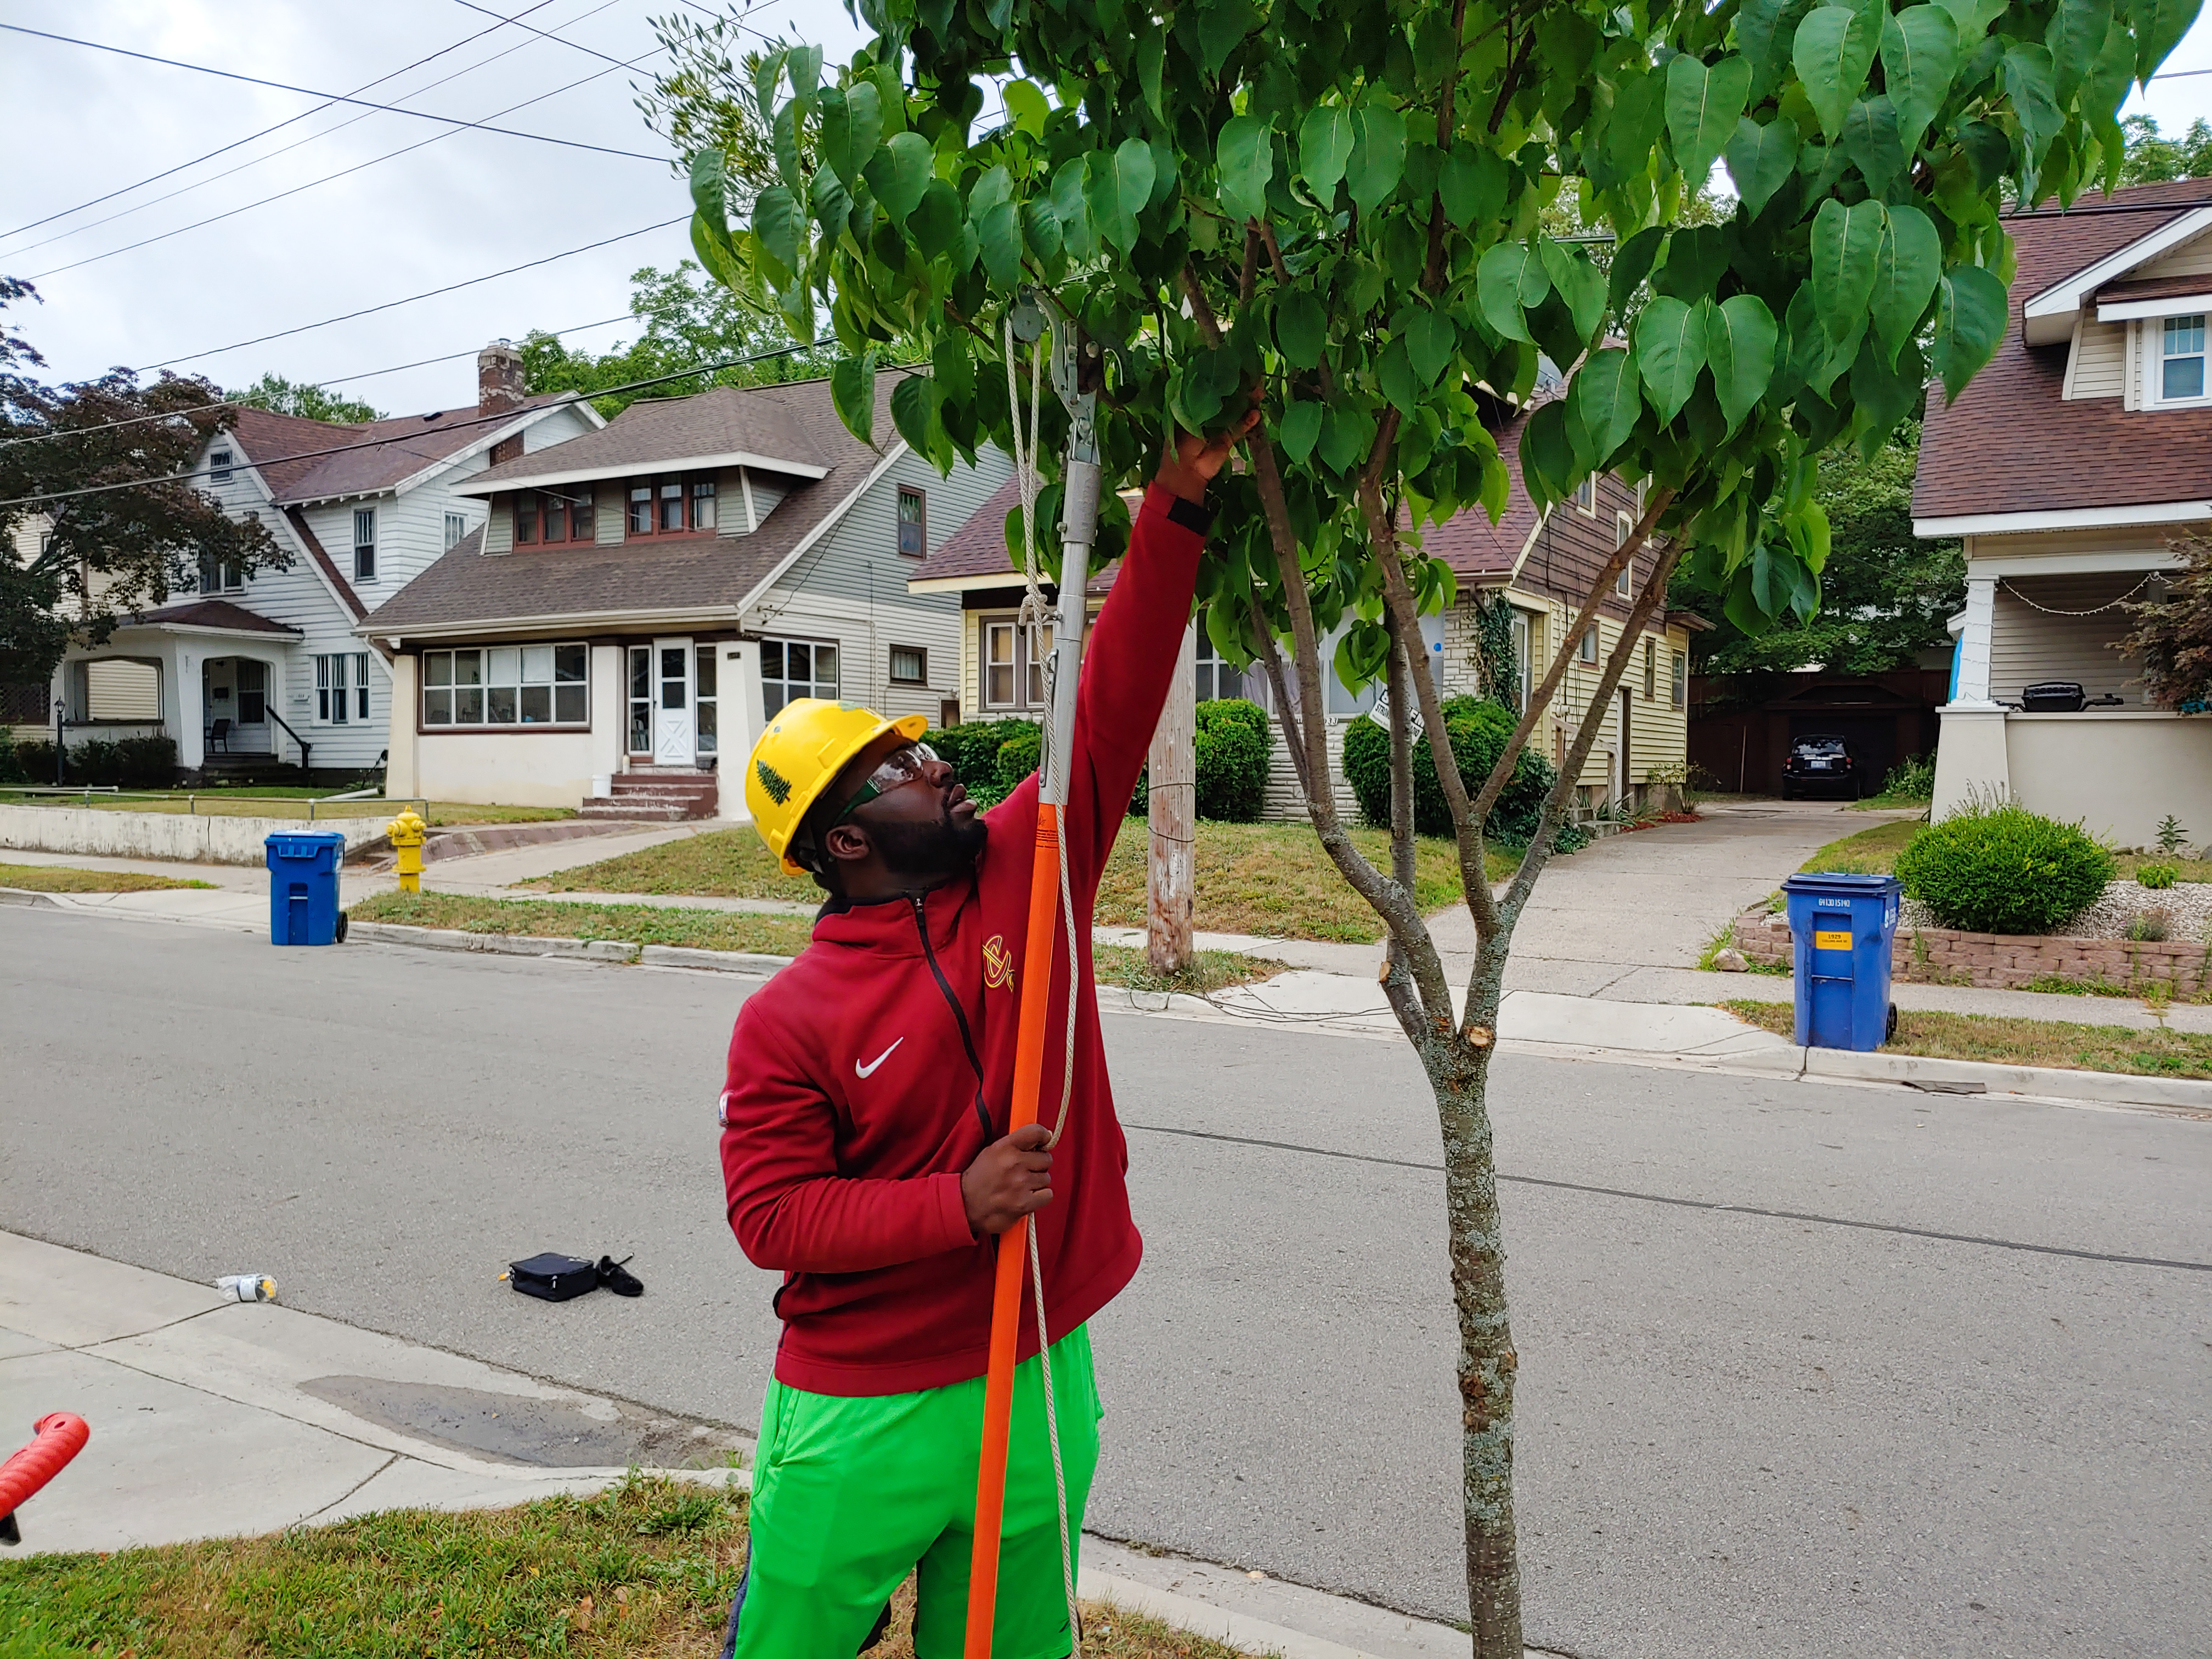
[864, 1154]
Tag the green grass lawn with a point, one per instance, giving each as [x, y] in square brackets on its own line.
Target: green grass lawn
[61, 879]
[723, 930]
[1869, 853]
[1272, 880]
[644, 1571]
[2008, 1042]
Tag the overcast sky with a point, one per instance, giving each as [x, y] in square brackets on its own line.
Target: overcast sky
[86, 123]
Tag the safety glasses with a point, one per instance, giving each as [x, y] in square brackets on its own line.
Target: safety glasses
[900, 766]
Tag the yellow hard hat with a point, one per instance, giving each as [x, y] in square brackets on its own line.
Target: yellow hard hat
[806, 746]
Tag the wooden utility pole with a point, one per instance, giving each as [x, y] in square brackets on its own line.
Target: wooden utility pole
[1171, 883]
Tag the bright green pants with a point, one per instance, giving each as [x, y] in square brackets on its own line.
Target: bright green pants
[850, 1494]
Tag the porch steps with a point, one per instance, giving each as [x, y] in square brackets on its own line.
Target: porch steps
[663, 794]
[220, 767]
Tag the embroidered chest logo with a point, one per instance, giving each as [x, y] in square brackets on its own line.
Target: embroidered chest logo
[998, 962]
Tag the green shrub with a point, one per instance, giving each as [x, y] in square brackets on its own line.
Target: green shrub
[96, 762]
[972, 747]
[1018, 755]
[1478, 729]
[148, 763]
[35, 763]
[11, 769]
[1231, 745]
[1911, 779]
[2157, 875]
[1999, 868]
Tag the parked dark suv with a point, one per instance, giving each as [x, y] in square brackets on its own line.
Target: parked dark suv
[1825, 762]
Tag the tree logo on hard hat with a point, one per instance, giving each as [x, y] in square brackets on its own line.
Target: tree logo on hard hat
[777, 785]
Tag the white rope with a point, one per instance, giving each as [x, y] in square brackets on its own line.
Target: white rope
[2109, 605]
[1030, 625]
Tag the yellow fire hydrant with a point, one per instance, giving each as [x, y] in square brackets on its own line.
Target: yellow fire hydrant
[407, 832]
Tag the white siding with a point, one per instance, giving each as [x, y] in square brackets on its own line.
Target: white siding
[2027, 645]
[850, 587]
[2098, 367]
[2192, 258]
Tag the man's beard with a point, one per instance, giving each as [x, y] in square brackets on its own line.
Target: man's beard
[943, 849]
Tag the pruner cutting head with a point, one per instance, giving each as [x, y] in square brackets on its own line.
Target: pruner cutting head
[1029, 317]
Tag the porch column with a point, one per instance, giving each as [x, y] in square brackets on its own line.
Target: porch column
[1973, 677]
[181, 703]
[399, 767]
[610, 709]
[742, 724]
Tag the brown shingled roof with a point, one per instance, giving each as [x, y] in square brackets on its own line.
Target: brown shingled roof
[2154, 288]
[394, 450]
[209, 613]
[465, 588]
[2012, 443]
[725, 421]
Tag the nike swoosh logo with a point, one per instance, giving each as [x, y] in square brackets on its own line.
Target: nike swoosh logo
[869, 1070]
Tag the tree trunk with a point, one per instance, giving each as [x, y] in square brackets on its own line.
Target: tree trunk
[1172, 811]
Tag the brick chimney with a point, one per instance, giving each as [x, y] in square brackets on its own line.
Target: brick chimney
[500, 383]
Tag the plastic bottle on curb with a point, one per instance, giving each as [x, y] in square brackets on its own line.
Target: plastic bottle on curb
[248, 1287]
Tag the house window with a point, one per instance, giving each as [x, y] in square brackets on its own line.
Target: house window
[1623, 528]
[910, 664]
[1011, 678]
[1681, 679]
[1216, 678]
[364, 543]
[671, 506]
[219, 576]
[1524, 655]
[457, 525]
[552, 516]
[2181, 366]
[341, 687]
[218, 466]
[912, 526]
[640, 700]
[252, 692]
[706, 703]
[1650, 670]
[796, 668]
[1587, 650]
[1586, 495]
[505, 685]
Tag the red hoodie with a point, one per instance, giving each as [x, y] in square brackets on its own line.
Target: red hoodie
[860, 1077]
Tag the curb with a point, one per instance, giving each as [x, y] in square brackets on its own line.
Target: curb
[503, 945]
[1204, 1618]
[2116, 1088]
[25, 896]
[717, 961]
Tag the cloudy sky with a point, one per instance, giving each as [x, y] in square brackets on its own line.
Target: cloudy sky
[88, 124]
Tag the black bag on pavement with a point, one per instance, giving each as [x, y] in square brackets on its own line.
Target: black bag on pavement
[553, 1278]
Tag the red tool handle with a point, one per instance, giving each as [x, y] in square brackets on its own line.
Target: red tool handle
[58, 1436]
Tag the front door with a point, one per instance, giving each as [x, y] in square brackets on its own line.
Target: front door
[675, 730]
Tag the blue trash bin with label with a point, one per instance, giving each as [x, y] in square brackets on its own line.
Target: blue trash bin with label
[1841, 928]
[303, 887]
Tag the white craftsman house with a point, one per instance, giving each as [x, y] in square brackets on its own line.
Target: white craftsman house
[2069, 467]
[640, 599]
[248, 670]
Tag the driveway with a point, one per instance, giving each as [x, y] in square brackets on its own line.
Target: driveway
[1621, 917]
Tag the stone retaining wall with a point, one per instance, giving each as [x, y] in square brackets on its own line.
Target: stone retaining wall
[180, 837]
[2003, 962]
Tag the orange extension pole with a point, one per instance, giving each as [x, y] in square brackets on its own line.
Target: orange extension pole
[1013, 1244]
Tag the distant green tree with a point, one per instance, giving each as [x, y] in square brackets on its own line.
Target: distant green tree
[686, 322]
[305, 399]
[1885, 594]
[2152, 159]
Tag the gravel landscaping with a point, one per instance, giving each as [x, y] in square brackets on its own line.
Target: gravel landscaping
[2187, 905]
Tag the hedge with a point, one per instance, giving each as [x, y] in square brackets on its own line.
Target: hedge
[131, 763]
[1231, 752]
[1479, 728]
[1996, 868]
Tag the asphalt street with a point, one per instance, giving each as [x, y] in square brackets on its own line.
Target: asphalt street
[1807, 1368]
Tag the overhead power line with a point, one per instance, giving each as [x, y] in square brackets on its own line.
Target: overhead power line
[692, 373]
[241, 403]
[331, 97]
[290, 120]
[546, 34]
[369, 310]
[328, 178]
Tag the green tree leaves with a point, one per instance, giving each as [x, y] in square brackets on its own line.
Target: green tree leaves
[1509, 279]
[1703, 108]
[1324, 147]
[1846, 242]
[899, 173]
[1119, 184]
[1739, 340]
[1301, 328]
[1246, 155]
[1670, 351]
[1834, 49]
[1602, 405]
[1907, 264]
[1919, 56]
[1970, 322]
[1378, 154]
[1760, 159]
[853, 391]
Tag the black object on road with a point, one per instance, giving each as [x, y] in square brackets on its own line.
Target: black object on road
[616, 1276]
[553, 1278]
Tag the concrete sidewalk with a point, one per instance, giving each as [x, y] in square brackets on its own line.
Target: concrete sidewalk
[211, 1417]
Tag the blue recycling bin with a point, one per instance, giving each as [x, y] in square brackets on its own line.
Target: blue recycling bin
[303, 887]
[1841, 928]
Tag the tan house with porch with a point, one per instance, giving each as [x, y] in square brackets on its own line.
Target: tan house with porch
[1540, 563]
[2069, 468]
